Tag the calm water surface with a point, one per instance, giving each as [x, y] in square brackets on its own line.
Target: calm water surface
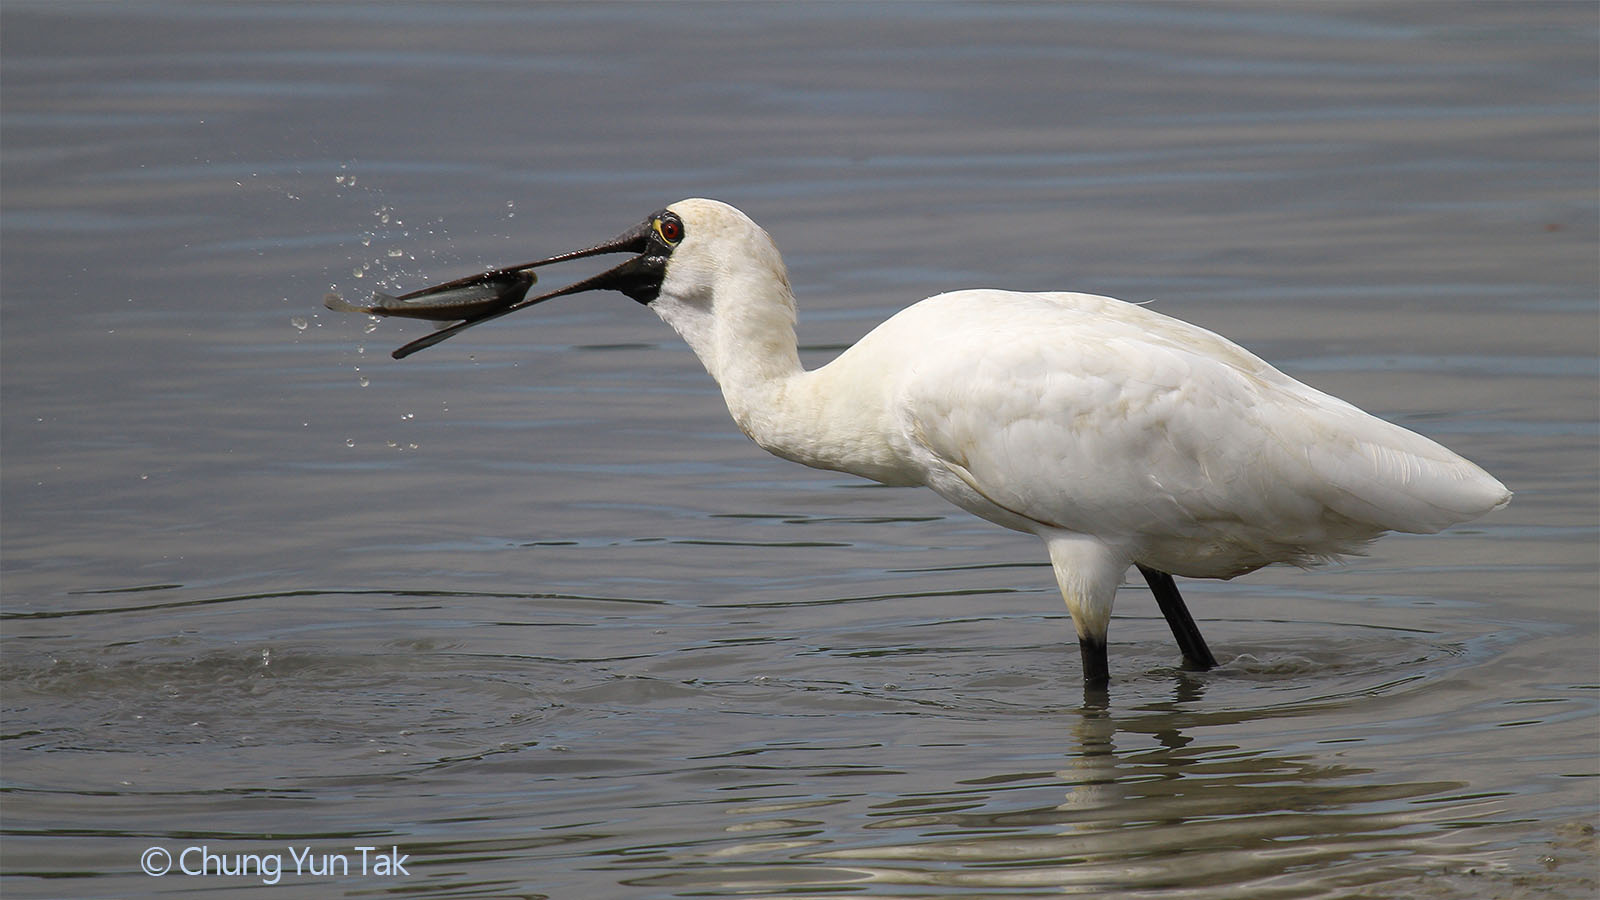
[528, 610]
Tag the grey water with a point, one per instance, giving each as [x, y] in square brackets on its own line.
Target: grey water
[525, 615]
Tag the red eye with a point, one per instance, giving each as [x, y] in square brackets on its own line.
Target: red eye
[670, 229]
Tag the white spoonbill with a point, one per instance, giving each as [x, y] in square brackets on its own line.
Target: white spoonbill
[1119, 436]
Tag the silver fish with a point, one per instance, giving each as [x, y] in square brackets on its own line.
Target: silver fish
[464, 298]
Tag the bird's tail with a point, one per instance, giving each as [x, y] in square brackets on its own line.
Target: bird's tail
[1399, 480]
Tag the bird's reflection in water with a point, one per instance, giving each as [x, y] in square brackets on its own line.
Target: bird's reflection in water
[1143, 799]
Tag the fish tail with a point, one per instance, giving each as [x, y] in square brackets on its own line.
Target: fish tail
[339, 304]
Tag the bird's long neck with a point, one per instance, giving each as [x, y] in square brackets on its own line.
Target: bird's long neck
[742, 329]
[823, 418]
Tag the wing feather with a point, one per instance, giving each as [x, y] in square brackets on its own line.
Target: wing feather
[1105, 418]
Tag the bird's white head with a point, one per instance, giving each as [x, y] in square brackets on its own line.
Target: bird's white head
[717, 248]
[725, 290]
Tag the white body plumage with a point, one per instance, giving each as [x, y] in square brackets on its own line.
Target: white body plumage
[1116, 434]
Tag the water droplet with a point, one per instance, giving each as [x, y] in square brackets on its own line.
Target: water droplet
[349, 442]
[363, 381]
[396, 254]
[299, 323]
[356, 272]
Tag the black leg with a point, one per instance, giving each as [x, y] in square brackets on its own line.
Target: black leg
[1195, 651]
[1095, 671]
